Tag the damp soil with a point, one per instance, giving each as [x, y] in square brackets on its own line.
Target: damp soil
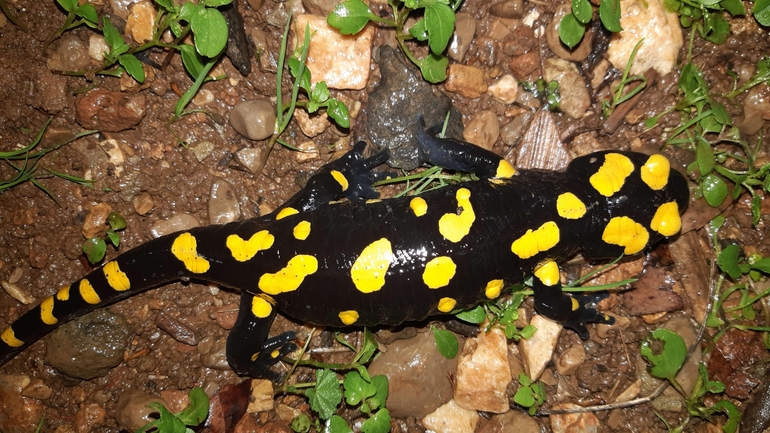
[41, 238]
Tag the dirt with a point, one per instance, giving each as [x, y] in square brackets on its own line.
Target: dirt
[40, 233]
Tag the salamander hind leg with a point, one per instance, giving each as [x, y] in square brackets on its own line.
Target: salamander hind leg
[249, 350]
[573, 312]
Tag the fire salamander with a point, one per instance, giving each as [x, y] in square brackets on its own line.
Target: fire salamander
[366, 262]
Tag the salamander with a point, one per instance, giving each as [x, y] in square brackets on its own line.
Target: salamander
[328, 261]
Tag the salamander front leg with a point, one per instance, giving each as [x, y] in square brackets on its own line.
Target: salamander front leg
[249, 350]
[570, 311]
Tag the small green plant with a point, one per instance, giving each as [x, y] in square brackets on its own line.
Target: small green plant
[96, 248]
[530, 395]
[666, 352]
[572, 26]
[181, 422]
[548, 92]
[706, 16]
[620, 95]
[761, 76]
[434, 27]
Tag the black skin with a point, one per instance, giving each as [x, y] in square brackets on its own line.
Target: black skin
[505, 209]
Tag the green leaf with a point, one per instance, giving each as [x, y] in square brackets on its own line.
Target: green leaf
[192, 61]
[446, 342]
[295, 66]
[368, 348]
[95, 249]
[210, 30]
[380, 383]
[715, 27]
[705, 157]
[167, 422]
[571, 31]
[133, 66]
[167, 5]
[113, 38]
[217, 3]
[337, 424]
[301, 423]
[379, 423]
[672, 5]
[419, 31]
[528, 331]
[672, 355]
[582, 10]
[198, 409]
[113, 237]
[327, 394]
[714, 190]
[350, 17]
[88, 12]
[761, 11]
[734, 7]
[728, 261]
[116, 221]
[440, 22]
[762, 265]
[68, 5]
[338, 112]
[475, 315]
[356, 388]
[756, 209]
[188, 10]
[433, 68]
[609, 12]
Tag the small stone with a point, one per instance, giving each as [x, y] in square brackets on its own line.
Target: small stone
[483, 129]
[483, 373]
[252, 158]
[508, 9]
[71, 55]
[97, 46]
[109, 111]
[18, 414]
[223, 203]
[141, 22]
[203, 97]
[343, 61]
[114, 153]
[575, 99]
[538, 350]
[505, 89]
[17, 293]
[216, 354]
[202, 150]
[451, 418]
[253, 119]
[311, 125]
[95, 224]
[262, 397]
[89, 416]
[37, 389]
[570, 359]
[143, 203]
[178, 222]
[661, 31]
[308, 151]
[524, 65]
[465, 80]
[465, 28]
[630, 393]
[574, 422]
[16, 275]
[132, 412]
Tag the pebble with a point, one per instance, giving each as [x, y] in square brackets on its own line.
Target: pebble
[89, 416]
[582, 422]
[252, 158]
[95, 223]
[308, 151]
[661, 31]
[512, 421]
[140, 24]
[483, 129]
[577, 54]
[254, 119]
[110, 111]
[465, 28]
[17, 293]
[97, 46]
[483, 373]
[37, 389]
[756, 109]
[505, 89]
[16, 275]
[223, 203]
[178, 222]
[215, 355]
[70, 55]
[511, 132]
[451, 418]
[523, 66]
[176, 329]
[311, 125]
[132, 412]
[575, 99]
[202, 150]
[465, 80]
[508, 9]
[343, 61]
[570, 359]
[18, 414]
[537, 351]
[114, 154]
[143, 203]
[262, 397]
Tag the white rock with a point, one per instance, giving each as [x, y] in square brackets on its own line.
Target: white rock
[311, 125]
[97, 46]
[661, 32]
[343, 61]
[584, 422]
[505, 90]
[451, 418]
[262, 396]
[483, 373]
[538, 350]
[307, 151]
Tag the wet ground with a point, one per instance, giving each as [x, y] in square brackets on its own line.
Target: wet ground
[177, 332]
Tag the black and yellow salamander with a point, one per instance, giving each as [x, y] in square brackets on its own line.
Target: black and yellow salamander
[363, 262]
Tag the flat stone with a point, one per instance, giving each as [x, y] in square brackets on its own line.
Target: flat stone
[254, 119]
[483, 129]
[524, 65]
[575, 99]
[343, 61]
[538, 350]
[465, 28]
[223, 203]
[483, 373]
[110, 111]
[451, 418]
[574, 422]
[141, 22]
[465, 80]
[178, 222]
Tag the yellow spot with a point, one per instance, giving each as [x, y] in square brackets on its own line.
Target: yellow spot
[655, 172]
[612, 174]
[373, 200]
[260, 308]
[446, 305]
[287, 211]
[185, 248]
[368, 271]
[88, 293]
[9, 338]
[419, 206]
[627, 233]
[302, 230]
[667, 220]
[243, 250]
[504, 170]
[454, 227]
[275, 354]
[534, 242]
[290, 277]
[46, 311]
[548, 273]
[576, 304]
[493, 289]
[569, 206]
[63, 294]
[340, 178]
[116, 278]
[349, 317]
[439, 272]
